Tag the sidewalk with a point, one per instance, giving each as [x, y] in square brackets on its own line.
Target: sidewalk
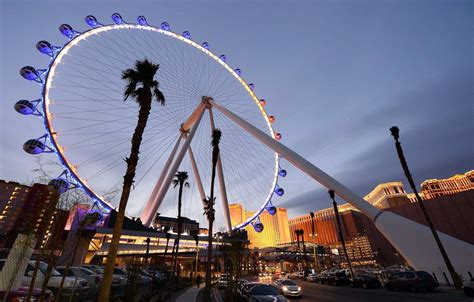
[190, 295]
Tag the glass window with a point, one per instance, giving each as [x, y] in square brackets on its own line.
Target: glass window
[264, 290]
[288, 282]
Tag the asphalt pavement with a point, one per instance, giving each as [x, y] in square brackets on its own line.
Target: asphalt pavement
[313, 292]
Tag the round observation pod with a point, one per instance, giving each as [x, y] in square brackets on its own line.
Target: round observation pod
[238, 71]
[278, 136]
[272, 210]
[60, 184]
[91, 21]
[165, 26]
[186, 34]
[263, 102]
[117, 18]
[34, 146]
[271, 118]
[252, 86]
[45, 47]
[67, 30]
[25, 107]
[279, 191]
[282, 172]
[29, 73]
[258, 226]
[223, 58]
[205, 45]
[142, 20]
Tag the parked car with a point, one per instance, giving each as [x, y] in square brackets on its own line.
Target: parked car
[76, 287]
[283, 275]
[240, 286]
[222, 282]
[92, 278]
[95, 268]
[365, 281]
[288, 288]
[20, 294]
[338, 278]
[300, 275]
[412, 281]
[264, 293]
[468, 287]
[311, 277]
[247, 287]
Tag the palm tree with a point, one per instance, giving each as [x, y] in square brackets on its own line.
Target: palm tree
[168, 237]
[194, 234]
[143, 88]
[179, 179]
[454, 275]
[209, 209]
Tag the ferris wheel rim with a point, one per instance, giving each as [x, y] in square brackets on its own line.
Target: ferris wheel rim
[59, 150]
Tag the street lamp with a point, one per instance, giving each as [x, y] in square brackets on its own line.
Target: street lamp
[457, 281]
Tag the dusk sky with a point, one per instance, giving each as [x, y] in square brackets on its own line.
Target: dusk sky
[337, 75]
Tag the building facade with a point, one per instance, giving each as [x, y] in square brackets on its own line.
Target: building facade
[12, 199]
[433, 188]
[388, 195]
[188, 225]
[276, 230]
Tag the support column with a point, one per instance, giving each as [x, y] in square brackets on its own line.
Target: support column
[413, 240]
[151, 212]
[197, 176]
[220, 177]
[146, 211]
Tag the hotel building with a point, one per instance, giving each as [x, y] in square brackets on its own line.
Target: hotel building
[432, 188]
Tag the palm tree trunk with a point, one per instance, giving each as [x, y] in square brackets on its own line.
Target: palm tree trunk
[211, 221]
[132, 162]
[166, 250]
[178, 237]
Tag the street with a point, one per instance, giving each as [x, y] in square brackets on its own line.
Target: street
[326, 293]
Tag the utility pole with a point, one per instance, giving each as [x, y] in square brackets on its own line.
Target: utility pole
[456, 280]
[339, 226]
[311, 214]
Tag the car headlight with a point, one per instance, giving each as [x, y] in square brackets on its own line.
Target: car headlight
[285, 288]
[23, 299]
[299, 288]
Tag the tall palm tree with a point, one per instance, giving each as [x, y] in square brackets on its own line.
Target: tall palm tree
[168, 237]
[143, 88]
[195, 235]
[209, 210]
[179, 179]
[395, 131]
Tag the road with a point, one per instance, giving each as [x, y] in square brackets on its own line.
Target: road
[326, 293]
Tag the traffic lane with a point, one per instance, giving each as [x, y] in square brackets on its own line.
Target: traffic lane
[327, 293]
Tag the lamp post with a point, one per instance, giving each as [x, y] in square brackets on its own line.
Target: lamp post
[311, 214]
[341, 236]
[457, 281]
[147, 250]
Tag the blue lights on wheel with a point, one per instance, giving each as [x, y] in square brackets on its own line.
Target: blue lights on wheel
[238, 72]
[186, 34]
[205, 45]
[282, 172]
[92, 21]
[165, 26]
[142, 20]
[223, 58]
[117, 18]
[67, 31]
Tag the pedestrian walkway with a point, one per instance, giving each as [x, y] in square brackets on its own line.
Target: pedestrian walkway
[189, 295]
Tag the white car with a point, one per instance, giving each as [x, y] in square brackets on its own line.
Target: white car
[288, 288]
[91, 277]
[222, 282]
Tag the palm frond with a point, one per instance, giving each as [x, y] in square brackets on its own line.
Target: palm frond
[216, 137]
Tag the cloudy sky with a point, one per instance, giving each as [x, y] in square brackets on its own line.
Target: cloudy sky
[337, 74]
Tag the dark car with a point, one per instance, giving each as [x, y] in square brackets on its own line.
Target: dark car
[244, 292]
[365, 281]
[338, 278]
[264, 293]
[21, 293]
[468, 287]
[412, 281]
[321, 278]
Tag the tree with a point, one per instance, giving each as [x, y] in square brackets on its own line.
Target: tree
[179, 179]
[168, 237]
[209, 209]
[143, 88]
[454, 275]
[195, 235]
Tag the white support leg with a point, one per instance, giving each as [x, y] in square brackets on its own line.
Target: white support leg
[147, 210]
[148, 219]
[220, 177]
[197, 177]
[413, 240]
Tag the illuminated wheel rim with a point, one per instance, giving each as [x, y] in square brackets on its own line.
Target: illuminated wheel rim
[188, 71]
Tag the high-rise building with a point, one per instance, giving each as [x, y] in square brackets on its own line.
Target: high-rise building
[275, 230]
[12, 199]
[432, 188]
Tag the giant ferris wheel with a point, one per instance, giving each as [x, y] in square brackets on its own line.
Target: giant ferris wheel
[89, 126]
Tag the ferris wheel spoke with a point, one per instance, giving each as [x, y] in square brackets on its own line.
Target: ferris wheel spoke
[197, 176]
